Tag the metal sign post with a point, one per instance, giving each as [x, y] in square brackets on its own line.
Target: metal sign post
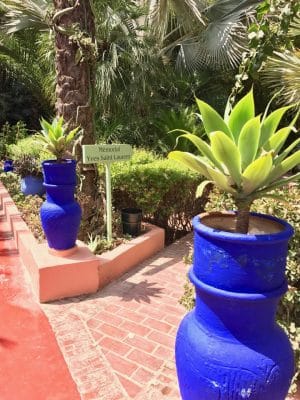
[106, 154]
[108, 202]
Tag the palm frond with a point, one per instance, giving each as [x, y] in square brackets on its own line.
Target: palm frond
[20, 57]
[220, 46]
[282, 74]
[294, 29]
[22, 14]
[221, 9]
[219, 43]
[165, 15]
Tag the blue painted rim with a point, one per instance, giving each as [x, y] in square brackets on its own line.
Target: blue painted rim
[207, 231]
[236, 295]
[55, 162]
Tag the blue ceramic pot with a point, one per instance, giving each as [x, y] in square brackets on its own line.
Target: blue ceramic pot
[8, 166]
[230, 347]
[32, 185]
[60, 213]
[59, 173]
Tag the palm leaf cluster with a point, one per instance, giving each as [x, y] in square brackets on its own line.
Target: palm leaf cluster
[202, 35]
[198, 33]
[23, 59]
[282, 70]
[126, 59]
[20, 15]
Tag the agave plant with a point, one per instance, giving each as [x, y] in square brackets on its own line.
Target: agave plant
[245, 156]
[55, 137]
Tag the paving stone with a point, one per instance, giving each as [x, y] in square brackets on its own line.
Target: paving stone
[119, 342]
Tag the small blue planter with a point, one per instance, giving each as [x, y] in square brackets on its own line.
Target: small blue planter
[8, 166]
[60, 213]
[32, 185]
[229, 346]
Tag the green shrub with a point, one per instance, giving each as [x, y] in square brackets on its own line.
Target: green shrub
[28, 146]
[289, 308]
[29, 206]
[10, 134]
[161, 188]
[168, 124]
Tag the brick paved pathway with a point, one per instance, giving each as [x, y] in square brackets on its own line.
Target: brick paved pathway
[119, 342]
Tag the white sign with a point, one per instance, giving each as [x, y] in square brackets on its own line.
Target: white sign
[106, 153]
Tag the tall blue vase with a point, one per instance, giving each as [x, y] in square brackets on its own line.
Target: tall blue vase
[230, 347]
[60, 213]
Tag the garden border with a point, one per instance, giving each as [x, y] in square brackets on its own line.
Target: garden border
[54, 277]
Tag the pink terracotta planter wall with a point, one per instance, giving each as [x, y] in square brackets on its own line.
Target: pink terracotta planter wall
[54, 277]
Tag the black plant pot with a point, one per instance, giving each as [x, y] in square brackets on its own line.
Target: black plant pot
[131, 221]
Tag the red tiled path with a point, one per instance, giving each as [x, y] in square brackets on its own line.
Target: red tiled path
[119, 342]
[31, 364]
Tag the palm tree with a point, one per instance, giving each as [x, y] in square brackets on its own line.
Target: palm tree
[200, 33]
[282, 70]
[75, 57]
[74, 31]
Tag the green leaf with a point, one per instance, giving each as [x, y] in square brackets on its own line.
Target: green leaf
[227, 153]
[284, 166]
[248, 141]
[240, 114]
[286, 152]
[256, 173]
[201, 187]
[212, 120]
[51, 136]
[203, 148]
[221, 180]
[270, 124]
[58, 130]
[276, 141]
[278, 184]
[45, 125]
[71, 135]
[191, 161]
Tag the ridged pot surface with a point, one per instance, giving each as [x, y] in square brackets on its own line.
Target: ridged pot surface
[243, 263]
[230, 347]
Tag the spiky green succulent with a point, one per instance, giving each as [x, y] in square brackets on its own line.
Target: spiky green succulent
[245, 156]
[55, 137]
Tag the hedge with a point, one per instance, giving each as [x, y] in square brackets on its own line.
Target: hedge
[162, 188]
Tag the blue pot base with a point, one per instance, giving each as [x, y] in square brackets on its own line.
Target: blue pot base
[230, 347]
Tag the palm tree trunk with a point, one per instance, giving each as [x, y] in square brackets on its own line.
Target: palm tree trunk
[75, 82]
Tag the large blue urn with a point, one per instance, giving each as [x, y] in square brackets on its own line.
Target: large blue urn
[230, 347]
[60, 213]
